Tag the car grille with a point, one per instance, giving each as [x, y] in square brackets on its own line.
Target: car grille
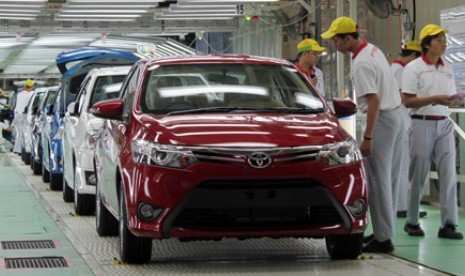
[278, 155]
[259, 204]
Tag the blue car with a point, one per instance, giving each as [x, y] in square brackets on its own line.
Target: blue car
[43, 112]
[74, 66]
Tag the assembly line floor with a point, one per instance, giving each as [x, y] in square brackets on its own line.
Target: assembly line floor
[32, 214]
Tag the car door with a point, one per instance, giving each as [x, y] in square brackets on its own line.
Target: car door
[71, 130]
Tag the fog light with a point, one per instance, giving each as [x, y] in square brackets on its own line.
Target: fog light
[148, 212]
[357, 208]
[92, 179]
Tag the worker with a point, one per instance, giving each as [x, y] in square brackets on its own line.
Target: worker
[409, 52]
[308, 54]
[22, 100]
[378, 96]
[428, 87]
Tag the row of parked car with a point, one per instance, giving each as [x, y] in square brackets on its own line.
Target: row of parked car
[201, 147]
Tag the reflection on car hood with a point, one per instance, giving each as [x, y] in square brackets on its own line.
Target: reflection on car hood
[243, 130]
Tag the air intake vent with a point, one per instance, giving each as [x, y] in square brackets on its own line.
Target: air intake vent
[18, 245]
[40, 262]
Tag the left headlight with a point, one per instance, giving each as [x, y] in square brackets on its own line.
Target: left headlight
[340, 153]
[150, 153]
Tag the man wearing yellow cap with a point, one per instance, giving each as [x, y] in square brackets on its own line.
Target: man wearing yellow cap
[22, 100]
[309, 52]
[428, 87]
[410, 51]
[378, 96]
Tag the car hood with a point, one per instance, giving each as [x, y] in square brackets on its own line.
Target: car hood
[242, 130]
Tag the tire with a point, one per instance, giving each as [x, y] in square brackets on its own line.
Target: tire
[45, 175]
[36, 167]
[341, 247]
[27, 158]
[31, 161]
[23, 155]
[84, 204]
[105, 223]
[68, 194]
[56, 181]
[132, 249]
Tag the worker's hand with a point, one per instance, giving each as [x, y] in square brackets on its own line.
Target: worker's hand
[457, 103]
[314, 80]
[443, 100]
[366, 148]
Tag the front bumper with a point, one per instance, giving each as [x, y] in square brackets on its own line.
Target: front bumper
[301, 200]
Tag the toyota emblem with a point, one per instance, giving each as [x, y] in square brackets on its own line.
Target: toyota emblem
[259, 160]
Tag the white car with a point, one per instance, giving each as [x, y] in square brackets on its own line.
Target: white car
[80, 131]
[28, 122]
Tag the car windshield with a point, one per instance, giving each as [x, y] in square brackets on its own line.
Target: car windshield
[197, 88]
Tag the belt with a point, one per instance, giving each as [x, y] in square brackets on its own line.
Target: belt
[428, 117]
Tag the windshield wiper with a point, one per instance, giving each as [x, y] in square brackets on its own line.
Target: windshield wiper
[291, 110]
[217, 109]
[214, 109]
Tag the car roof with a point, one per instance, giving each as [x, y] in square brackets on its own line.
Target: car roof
[231, 58]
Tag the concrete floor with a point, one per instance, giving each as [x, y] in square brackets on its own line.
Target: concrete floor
[30, 211]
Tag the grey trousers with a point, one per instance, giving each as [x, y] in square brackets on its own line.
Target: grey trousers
[383, 168]
[404, 185]
[433, 141]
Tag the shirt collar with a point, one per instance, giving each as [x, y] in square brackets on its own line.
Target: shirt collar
[398, 61]
[427, 61]
[306, 72]
[360, 48]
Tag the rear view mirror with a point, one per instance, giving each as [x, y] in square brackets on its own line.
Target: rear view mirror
[344, 107]
[108, 109]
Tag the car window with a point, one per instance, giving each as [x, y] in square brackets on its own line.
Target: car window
[129, 88]
[82, 94]
[106, 87]
[253, 86]
[36, 102]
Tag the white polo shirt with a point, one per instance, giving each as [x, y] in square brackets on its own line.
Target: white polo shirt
[397, 69]
[22, 100]
[421, 78]
[371, 73]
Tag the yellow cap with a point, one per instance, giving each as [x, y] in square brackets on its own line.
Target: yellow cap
[340, 25]
[413, 45]
[430, 30]
[28, 83]
[309, 45]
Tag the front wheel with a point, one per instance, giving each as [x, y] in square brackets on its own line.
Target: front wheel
[56, 181]
[105, 222]
[36, 167]
[132, 249]
[344, 246]
[84, 204]
[45, 174]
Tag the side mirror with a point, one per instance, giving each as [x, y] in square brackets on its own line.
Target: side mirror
[71, 108]
[108, 109]
[344, 107]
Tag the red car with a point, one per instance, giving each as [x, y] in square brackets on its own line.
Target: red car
[226, 146]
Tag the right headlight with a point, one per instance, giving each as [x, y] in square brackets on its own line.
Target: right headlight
[150, 153]
[345, 152]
